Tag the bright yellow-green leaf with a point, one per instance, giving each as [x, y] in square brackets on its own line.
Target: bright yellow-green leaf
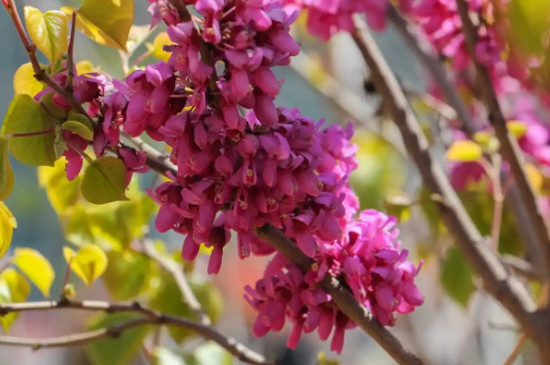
[517, 128]
[84, 67]
[104, 181]
[88, 263]
[6, 173]
[36, 267]
[14, 288]
[534, 176]
[157, 48]
[107, 22]
[529, 24]
[24, 81]
[78, 128]
[48, 31]
[7, 224]
[165, 356]
[463, 151]
[26, 116]
[127, 274]
[62, 193]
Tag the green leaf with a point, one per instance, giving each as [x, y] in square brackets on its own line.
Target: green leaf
[24, 81]
[322, 360]
[107, 22]
[456, 276]
[26, 116]
[164, 356]
[62, 193]
[127, 274]
[464, 151]
[48, 31]
[398, 204]
[211, 353]
[80, 129]
[14, 288]
[116, 351]
[529, 24]
[36, 267]
[104, 181]
[89, 263]
[157, 47]
[7, 224]
[6, 173]
[168, 299]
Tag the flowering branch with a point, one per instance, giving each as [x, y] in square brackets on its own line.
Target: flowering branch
[509, 147]
[341, 296]
[152, 318]
[504, 287]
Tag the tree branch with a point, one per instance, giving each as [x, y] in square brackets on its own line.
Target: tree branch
[504, 287]
[434, 67]
[176, 271]
[508, 144]
[152, 318]
[341, 296]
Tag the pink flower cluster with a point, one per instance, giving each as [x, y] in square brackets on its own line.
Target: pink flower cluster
[242, 163]
[327, 17]
[366, 257]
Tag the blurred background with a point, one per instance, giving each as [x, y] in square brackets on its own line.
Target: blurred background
[475, 330]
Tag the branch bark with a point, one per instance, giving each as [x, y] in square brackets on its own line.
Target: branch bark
[504, 287]
[508, 144]
[237, 349]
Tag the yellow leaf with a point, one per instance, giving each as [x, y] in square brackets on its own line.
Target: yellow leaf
[84, 67]
[62, 193]
[534, 176]
[463, 151]
[7, 224]
[157, 48]
[517, 128]
[48, 31]
[13, 288]
[36, 267]
[6, 173]
[24, 81]
[107, 22]
[487, 140]
[89, 263]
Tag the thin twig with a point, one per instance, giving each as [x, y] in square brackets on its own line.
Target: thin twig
[434, 67]
[504, 287]
[155, 160]
[151, 317]
[70, 57]
[508, 144]
[176, 271]
[341, 296]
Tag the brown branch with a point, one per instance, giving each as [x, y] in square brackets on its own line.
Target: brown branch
[508, 144]
[151, 318]
[180, 6]
[504, 287]
[434, 67]
[176, 271]
[70, 57]
[155, 160]
[341, 296]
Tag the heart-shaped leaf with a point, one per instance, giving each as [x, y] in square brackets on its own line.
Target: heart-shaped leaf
[104, 181]
[48, 31]
[36, 267]
[88, 263]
